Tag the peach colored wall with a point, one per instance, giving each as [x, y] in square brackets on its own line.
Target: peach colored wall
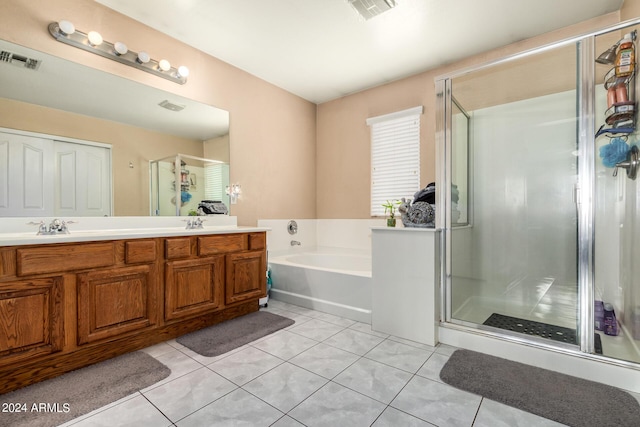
[343, 156]
[269, 127]
[128, 144]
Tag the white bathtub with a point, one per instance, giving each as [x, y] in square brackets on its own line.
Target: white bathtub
[334, 281]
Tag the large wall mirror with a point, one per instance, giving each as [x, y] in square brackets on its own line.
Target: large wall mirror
[72, 102]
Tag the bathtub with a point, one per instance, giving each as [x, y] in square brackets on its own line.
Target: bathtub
[335, 281]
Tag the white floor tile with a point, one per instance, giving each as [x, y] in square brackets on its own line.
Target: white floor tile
[437, 403]
[136, 412]
[398, 355]
[285, 386]
[191, 392]
[391, 417]
[317, 329]
[324, 360]
[285, 344]
[238, 408]
[374, 379]
[245, 365]
[335, 405]
[494, 414]
[353, 341]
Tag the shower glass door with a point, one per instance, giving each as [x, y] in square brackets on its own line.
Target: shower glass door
[512, 212]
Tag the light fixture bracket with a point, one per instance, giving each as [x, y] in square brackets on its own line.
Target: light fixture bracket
[106, 49]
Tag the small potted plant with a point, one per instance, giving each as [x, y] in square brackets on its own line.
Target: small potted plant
[390, 207]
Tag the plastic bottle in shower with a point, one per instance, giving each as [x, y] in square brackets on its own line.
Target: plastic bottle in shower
[635, 323]
[626, 57]
[610, 321]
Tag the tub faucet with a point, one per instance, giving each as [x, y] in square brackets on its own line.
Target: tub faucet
[295, 243]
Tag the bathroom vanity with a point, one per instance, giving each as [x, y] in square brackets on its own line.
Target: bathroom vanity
[70, 301]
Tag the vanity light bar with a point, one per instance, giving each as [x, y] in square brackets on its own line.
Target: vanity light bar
[92, 42]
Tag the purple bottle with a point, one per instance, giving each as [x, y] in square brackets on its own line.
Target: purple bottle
[610, 322]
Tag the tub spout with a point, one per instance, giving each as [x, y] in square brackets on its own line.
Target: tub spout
[295, 243]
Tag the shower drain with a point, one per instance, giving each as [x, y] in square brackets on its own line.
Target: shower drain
[543, 330]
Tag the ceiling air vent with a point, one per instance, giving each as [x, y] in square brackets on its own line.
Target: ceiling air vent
[370, 8]
[19, 60]
[171, 106]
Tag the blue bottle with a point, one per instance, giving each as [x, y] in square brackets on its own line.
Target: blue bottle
[610, 322]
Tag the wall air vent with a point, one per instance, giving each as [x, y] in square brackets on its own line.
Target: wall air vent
[19, 60]
[370, 8]
[171, 106]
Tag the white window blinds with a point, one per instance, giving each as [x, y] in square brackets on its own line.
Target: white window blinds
[395, 157]
[216, 179]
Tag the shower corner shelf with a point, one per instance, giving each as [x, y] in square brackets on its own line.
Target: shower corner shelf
[620, 117]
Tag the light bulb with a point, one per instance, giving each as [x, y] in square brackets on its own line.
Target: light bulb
[143, 57]
[183, 71]
[95, 39]
[66, 27]
[164, 65]
[120, 48]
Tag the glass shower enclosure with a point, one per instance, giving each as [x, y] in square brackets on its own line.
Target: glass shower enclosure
[180, 182]
[537, 228]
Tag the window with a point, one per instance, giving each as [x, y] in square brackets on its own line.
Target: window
[216, 177]
[395, 157]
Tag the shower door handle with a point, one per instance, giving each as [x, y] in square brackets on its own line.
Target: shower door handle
[631, 164]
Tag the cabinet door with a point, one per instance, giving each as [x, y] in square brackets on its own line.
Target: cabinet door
[115, 301]
[193, 286]
[31, 318]
[246, 276]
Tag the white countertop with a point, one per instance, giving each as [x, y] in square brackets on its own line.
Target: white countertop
[410, 229]
[16, 239]
[22, 231]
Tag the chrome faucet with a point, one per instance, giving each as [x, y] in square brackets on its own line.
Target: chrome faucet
[295, 243]
[56, 226]
[195, 224]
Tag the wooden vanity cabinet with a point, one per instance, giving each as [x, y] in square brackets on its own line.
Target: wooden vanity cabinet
[31, 319]
[208, 273]
[193, 286]
[115, 301]
[67, 305]
[246, 276]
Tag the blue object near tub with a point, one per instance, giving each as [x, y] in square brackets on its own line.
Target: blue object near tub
[185, 196]
[614, 152]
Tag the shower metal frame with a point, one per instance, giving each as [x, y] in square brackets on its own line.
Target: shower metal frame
[585, 191]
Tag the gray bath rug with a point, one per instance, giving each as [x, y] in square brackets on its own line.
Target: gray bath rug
[58, 400]
[569, 400]
[223, 337]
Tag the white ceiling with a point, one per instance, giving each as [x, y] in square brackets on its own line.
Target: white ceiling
[322, 49]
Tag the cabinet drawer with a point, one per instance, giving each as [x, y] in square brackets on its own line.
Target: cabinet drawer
[212, 245]
[257, 241]
[177, 248]
[140, 251]
[54, 259]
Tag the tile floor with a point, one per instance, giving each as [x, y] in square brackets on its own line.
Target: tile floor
[322, 371]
